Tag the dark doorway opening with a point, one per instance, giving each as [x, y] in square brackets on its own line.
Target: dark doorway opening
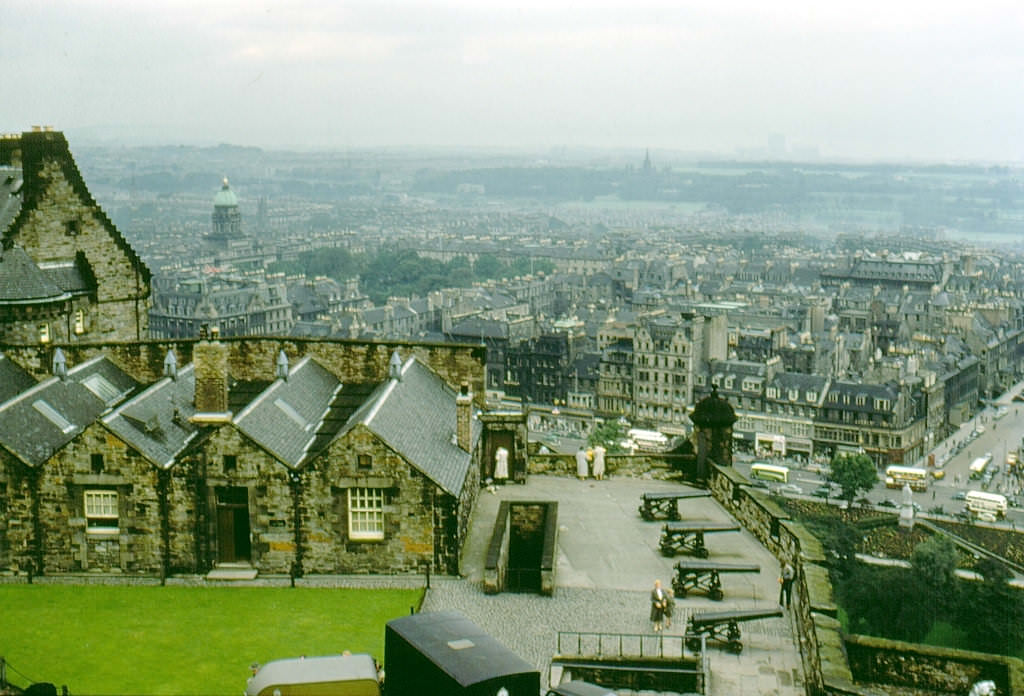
[233, 544]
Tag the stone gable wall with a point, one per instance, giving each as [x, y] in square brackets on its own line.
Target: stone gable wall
[269, 498]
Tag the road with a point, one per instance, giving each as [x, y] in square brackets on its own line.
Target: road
[982, 434]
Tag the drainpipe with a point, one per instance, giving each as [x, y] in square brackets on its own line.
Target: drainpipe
[163, 477]
[295, 484]
[36, 558]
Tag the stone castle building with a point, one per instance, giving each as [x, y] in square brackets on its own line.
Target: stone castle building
[289, 468]
[67, 275]
[125, 455]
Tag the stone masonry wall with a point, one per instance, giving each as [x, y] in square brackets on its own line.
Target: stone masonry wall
[122, 294]
[252, 358]
[411, 509]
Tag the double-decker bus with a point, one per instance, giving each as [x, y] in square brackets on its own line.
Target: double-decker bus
[984, 504]
[897, 476]
[978, 466]
[769, 472]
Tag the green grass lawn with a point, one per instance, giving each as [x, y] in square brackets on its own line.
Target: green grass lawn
[182, 640]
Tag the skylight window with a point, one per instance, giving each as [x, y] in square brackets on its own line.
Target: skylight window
[290, 411]
[102, 388]
[53, 416]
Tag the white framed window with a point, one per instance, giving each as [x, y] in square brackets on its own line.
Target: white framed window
[79, 322]
[101, 511]
[44, 333]
[366, 513]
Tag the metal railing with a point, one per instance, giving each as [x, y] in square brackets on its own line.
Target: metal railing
[621, 644]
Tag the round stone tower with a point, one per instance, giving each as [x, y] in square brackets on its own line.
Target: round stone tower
[713, 419]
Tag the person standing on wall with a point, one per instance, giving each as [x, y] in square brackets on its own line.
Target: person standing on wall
[786, 584]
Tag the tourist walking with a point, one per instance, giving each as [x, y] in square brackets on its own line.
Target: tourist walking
[581, 463]
[786, 584]
[657, 606]
[670, 606]
[599, 462]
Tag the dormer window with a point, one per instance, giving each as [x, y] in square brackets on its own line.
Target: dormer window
[44, 333]
[71, 228]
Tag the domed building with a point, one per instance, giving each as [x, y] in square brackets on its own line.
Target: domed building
[226, 218]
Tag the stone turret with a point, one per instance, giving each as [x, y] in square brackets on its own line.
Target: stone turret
[713, 419]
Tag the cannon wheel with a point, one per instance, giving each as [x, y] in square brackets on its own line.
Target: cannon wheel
[693, 644]
[716, 595]
[736, 646]
[680, 590]
[702, 552]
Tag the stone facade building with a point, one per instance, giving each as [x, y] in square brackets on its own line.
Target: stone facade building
[297, 473]
[67, 274]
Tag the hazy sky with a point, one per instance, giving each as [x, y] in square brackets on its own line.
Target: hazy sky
[874, 79]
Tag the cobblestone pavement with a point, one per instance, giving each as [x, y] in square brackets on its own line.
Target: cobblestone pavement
[607, 560]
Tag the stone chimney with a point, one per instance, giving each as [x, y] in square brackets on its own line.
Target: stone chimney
[211, 375]
[464, 418]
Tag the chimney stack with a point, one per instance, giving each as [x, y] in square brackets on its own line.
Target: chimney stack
[464, 418]
[211, 375]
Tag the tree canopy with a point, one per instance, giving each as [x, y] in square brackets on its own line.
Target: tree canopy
[853, 473]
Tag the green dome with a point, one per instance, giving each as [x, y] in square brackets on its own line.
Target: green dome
[225, 198]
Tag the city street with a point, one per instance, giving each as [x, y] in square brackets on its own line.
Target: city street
[987, 432]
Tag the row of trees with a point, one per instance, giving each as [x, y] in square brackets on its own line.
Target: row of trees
[396, 271]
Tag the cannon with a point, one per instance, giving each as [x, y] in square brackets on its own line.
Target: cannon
[665, 505]
[694, 576]
[724, 626]
[682, 537]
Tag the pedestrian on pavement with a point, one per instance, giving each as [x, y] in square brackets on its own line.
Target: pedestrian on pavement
[670, 606]
[657, 606]
[786, 584]
[581, 463]
[599, 452]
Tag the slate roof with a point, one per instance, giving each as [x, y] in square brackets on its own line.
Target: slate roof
[415, 416]
[156, 422]
[286, 417]
[23, 282]
[43, 419]
[10, 195]
[71, 276]
[13, 379]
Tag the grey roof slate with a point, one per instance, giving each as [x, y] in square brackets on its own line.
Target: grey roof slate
[156, 422]
[43, 419]
[22, 281]
[10, 195]
[415, 416]
[13, 379]
[285, 418]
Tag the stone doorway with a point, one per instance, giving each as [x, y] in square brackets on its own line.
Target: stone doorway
[233, 542]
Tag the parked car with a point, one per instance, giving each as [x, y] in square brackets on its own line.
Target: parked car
[863, 501]
[889, 503]
[822, 491]
[789, 489]
[959, 495]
